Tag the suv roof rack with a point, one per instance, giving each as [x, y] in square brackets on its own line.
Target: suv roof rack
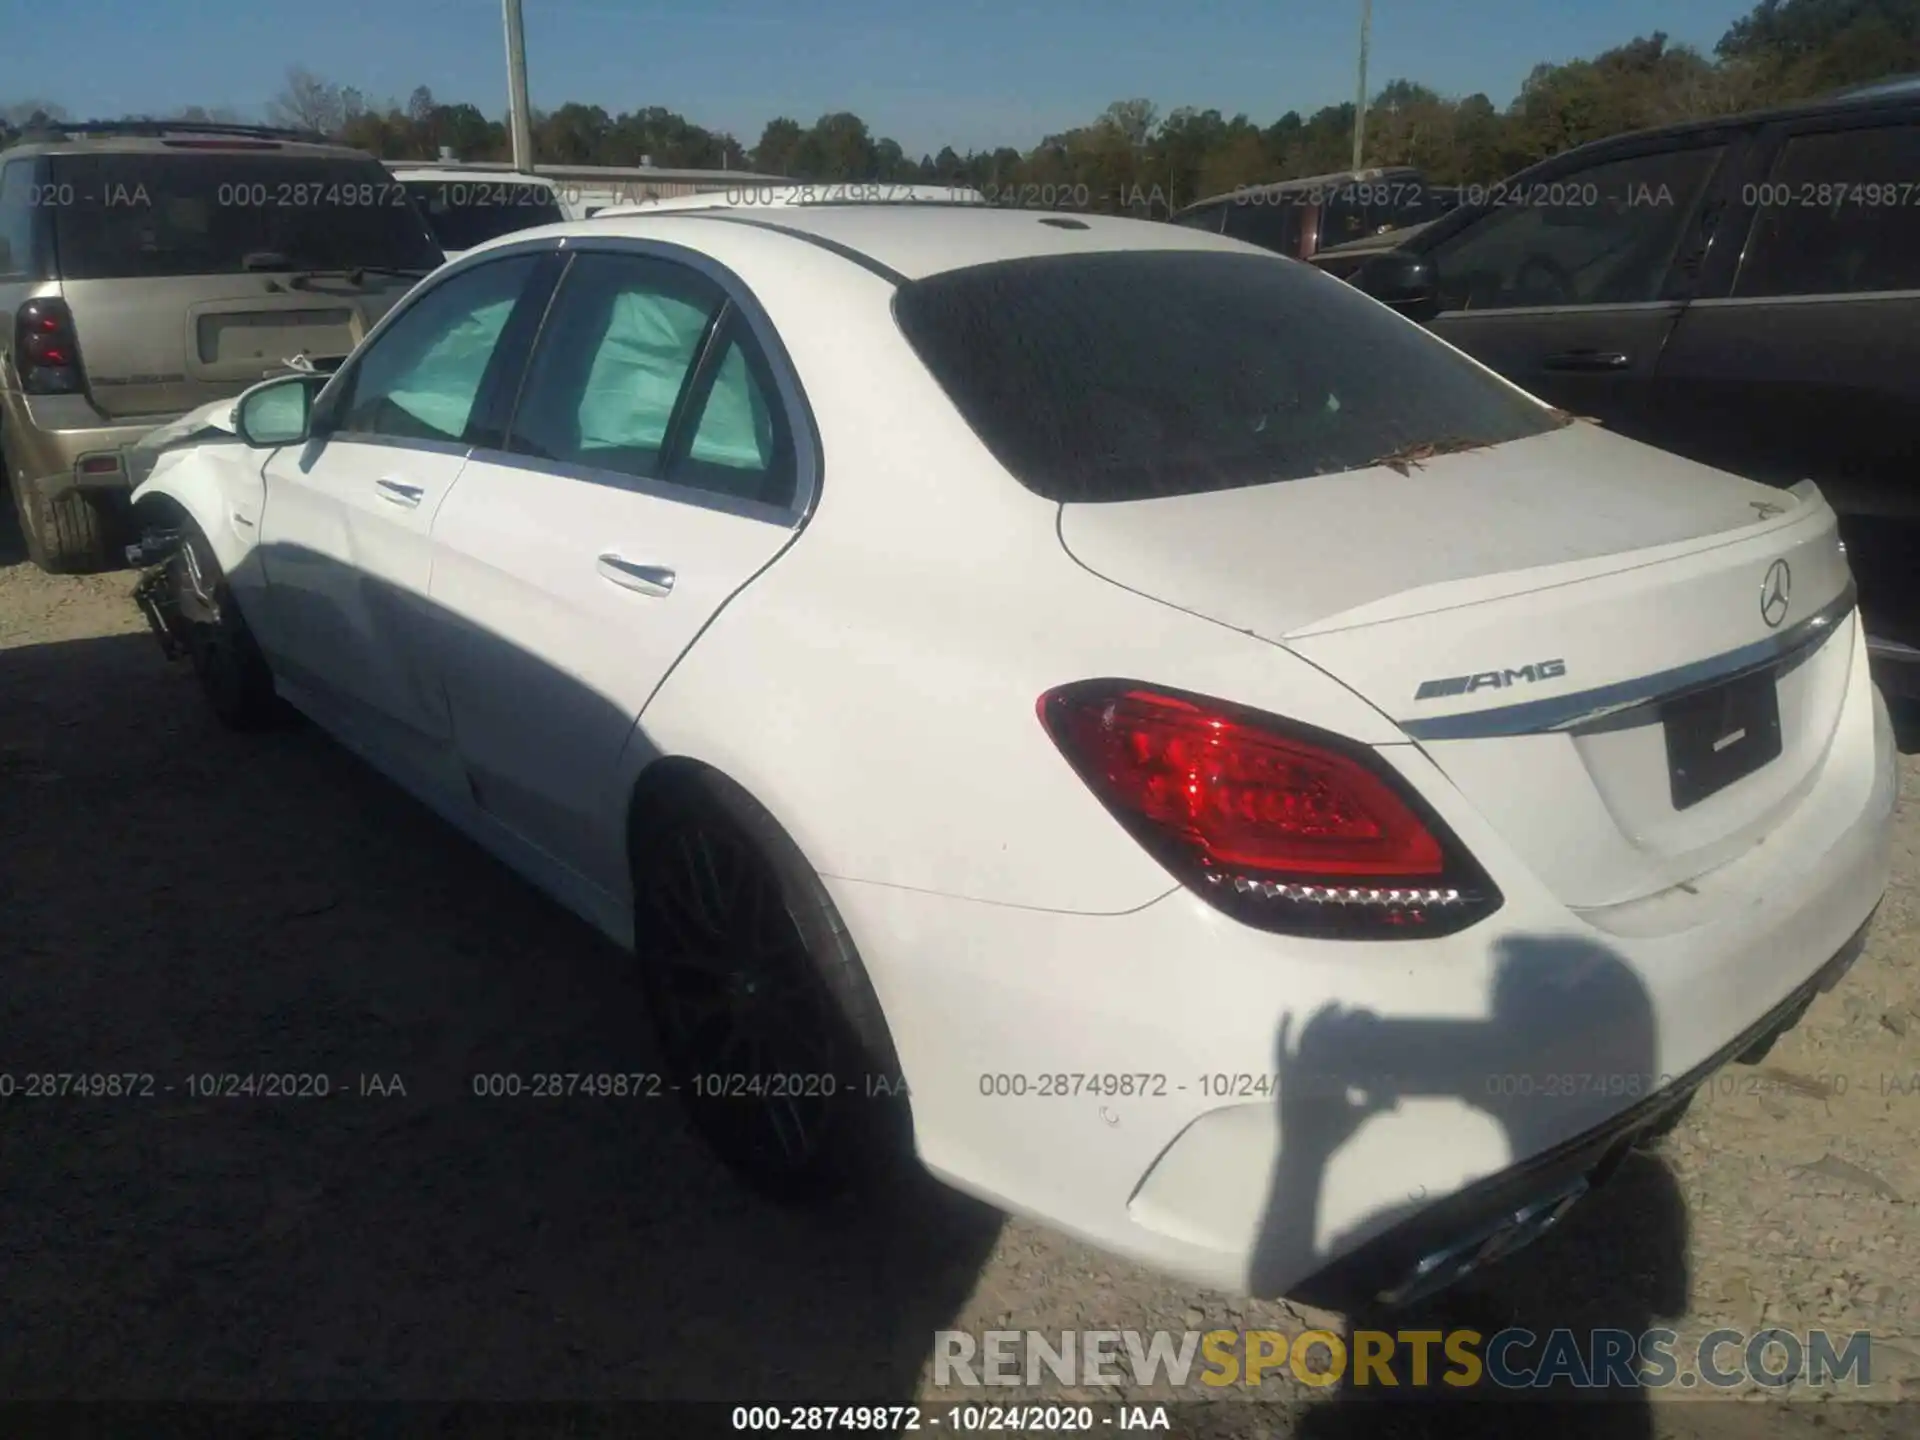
[157, 128]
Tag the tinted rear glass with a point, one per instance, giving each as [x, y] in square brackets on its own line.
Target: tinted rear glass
[466, 213]
[1134, 374]
[205, 213]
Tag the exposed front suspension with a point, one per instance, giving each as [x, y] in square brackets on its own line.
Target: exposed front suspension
[155, 592]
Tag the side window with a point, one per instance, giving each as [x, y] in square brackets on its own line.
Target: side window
[1606, 235]
[739, 445]
[419, 381]
[1207, 219]
[1838, 216]
[614, 355]
[16, 217]
[1270, 220]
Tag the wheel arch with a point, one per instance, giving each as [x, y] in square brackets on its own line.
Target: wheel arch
[180, 490]
[652, 792]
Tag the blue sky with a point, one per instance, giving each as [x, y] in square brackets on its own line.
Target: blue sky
[974, 73]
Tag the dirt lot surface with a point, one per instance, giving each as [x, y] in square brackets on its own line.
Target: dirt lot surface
[180, 901]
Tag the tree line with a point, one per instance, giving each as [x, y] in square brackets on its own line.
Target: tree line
[1133, 156]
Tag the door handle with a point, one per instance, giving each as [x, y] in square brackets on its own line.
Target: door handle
[655, 580]
[399, 492]
[1587, 360]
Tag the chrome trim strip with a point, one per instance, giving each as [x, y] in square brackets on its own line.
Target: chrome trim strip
[779, 515]
[1570, 712]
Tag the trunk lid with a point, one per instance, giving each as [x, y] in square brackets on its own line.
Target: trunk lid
[1529, 614]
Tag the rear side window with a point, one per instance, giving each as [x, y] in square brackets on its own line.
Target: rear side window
[18, 201]
[1207, 219]
[1135, 374]
[1270, 219]
[1355, 209]
[613, 357]
[466, 213]
[1839, 215]
[158, 213]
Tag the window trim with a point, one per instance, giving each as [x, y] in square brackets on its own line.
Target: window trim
[738, 305]
[1730, 141]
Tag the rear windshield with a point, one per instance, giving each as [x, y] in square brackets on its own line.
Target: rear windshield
[1134, 374]
[146, 214]
[466, 213]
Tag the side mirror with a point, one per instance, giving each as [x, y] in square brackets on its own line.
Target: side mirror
[1404, 280]
[277, 412]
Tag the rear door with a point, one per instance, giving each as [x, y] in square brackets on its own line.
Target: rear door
[1804, 362]
[194, 272]
[1571, 285]
[650, 471]
[344, 533]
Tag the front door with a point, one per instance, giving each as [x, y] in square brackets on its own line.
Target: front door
[344, 534]
[1564, 289]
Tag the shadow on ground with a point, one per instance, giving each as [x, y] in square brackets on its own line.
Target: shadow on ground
[182, 902]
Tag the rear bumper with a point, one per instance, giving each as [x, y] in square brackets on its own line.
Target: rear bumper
[1896, 667]
[1459, 1231]
[1278, 1116]
[63, 456]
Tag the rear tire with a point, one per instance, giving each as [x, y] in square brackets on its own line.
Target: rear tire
[68, 535]
[766, 1019]
[233, 674]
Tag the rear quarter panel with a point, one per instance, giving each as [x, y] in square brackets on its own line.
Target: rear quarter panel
[876, 687]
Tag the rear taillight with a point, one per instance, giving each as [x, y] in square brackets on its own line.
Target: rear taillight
[46, 352]
[1280, 825]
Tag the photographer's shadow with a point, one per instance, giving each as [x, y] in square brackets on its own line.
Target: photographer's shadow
[1611, 1224]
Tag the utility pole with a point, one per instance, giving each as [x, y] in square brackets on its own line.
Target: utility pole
[519, 122]
[1360, 99]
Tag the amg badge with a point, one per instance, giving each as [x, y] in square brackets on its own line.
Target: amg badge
[1490, 680]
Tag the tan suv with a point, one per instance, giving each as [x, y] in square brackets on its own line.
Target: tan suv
[149, 268]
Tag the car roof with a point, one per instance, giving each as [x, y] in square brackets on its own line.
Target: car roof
[163, 137]
[901, 241]
[1897, 95]
[784, 195]
[464, 172]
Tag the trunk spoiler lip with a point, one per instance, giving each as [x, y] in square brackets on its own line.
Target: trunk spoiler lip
[1769, 519]
[1613, 702]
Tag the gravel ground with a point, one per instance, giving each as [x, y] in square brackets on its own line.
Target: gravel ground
[178, 900]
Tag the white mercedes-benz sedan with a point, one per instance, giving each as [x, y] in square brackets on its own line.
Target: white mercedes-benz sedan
[1113, 712]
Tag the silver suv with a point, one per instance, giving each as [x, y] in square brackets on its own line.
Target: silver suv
[147, 269]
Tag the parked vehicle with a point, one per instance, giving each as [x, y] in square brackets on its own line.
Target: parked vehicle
[762, 195]
[1042, 688]
[149, 268]
[465, 207]
[1744, 291]
[1301, 217]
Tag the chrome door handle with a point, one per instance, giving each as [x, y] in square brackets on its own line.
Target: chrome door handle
[655, 580]
[399, 492]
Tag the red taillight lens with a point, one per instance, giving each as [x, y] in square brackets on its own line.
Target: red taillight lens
[1281, 825]
[47, 353]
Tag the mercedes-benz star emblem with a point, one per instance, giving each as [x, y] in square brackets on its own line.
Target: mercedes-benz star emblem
[1776, 591]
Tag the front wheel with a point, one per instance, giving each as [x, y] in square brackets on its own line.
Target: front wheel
[768, 1025]
[226, 659]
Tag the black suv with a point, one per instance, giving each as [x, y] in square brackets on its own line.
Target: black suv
[1743, 291]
